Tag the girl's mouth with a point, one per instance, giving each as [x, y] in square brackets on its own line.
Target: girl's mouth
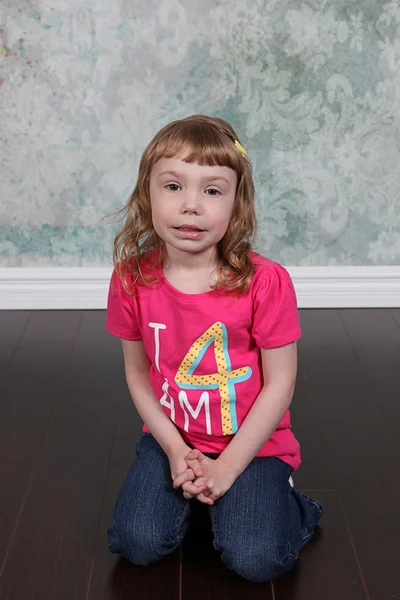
[188, 232]
[188, 228]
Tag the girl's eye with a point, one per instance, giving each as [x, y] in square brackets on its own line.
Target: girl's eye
[173, 187]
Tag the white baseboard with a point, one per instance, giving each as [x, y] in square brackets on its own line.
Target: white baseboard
[86, 288]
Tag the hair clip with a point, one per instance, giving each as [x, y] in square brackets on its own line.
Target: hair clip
[239, 147]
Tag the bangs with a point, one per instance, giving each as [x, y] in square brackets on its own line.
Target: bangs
[198, 143]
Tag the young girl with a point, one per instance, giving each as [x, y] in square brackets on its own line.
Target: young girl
[209, 331]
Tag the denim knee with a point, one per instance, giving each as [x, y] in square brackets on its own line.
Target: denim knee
[259, 565]
[140, 546]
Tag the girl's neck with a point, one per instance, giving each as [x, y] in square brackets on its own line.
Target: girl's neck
[184, 261]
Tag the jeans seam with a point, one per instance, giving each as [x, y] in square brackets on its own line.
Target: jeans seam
[175, 535]
[308, 532]
[290, 555]
[214, 527]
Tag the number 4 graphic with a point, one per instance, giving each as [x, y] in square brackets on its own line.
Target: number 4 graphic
[225, 379]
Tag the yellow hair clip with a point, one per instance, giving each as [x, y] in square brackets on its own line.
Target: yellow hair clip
[239, 147]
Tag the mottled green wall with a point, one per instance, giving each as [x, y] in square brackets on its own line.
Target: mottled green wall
[313, 89]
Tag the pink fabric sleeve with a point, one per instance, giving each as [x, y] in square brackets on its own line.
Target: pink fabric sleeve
[121, 311]
[276, 319]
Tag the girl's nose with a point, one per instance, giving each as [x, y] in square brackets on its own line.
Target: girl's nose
[190, 209]
[191, 202]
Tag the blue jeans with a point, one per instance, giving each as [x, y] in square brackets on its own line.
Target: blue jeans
[259, 525]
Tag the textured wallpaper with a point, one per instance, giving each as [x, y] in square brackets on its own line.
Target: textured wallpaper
[312, 87]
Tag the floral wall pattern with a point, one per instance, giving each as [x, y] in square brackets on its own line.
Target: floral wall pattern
[313, 89]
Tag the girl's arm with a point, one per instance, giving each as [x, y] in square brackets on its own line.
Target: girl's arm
[279, 370]
[137, 365]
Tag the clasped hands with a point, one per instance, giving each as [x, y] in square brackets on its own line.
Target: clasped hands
[201, 477]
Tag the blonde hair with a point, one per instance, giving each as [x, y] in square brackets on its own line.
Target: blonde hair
[207, 141]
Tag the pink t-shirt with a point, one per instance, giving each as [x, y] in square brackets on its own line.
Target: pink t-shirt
[205, 355]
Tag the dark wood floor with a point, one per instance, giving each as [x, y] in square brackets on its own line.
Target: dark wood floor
[68, 432]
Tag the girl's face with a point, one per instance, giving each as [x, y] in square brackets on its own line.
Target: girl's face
[191, 204]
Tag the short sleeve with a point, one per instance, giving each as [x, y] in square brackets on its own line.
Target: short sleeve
[276, 319]
[122, 312]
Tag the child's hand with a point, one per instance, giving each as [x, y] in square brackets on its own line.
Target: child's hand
[180, 468]
[218, 477]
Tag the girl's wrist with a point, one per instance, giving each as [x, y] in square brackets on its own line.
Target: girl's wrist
[175, 447]
[235, 471]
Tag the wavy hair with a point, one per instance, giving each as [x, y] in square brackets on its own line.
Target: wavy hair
[206, 141]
